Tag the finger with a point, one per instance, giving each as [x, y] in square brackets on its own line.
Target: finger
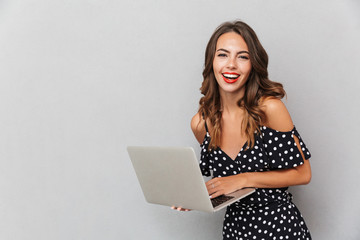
[176, 208]
[211, 187]
[216, 188]
[212, 191]
[211, 182]
[184, 210]
[216, 194]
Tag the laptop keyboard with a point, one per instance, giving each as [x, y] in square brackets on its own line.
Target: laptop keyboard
[220, 199]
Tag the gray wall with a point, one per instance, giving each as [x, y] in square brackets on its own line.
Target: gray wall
[81, 80]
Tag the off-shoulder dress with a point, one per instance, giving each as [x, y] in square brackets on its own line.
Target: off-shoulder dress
[268, 213]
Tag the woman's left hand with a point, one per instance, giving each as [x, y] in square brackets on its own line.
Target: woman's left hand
[225, 185]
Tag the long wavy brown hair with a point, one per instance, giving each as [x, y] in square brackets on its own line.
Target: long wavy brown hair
[257, 87]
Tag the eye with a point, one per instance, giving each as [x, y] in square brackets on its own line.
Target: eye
[221, 55]
[244, 57]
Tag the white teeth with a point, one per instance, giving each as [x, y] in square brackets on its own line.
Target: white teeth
[231, 75]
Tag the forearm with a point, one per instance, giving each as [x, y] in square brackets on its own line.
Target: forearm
[269, 179]
[282, 177]
[277, 178]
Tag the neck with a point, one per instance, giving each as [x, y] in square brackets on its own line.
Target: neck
[229, 101]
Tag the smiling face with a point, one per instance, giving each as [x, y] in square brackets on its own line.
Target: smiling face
[231, 64]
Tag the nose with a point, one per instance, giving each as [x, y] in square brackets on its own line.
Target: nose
[232, 63]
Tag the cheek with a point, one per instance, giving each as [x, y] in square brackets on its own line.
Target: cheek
[218, 77]
[246, 69]
[217, 73]
[216, 67]
[219, 64]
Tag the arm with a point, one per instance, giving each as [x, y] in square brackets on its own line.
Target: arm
[198, 127]
[277, 118]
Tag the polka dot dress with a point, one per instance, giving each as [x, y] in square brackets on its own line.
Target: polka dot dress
[268, 213]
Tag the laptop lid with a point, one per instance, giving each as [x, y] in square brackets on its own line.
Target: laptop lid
[171, 176]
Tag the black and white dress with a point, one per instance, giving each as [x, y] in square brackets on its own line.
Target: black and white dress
[268, 213]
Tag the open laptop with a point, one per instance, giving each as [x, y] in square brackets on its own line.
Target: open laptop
[171, 176]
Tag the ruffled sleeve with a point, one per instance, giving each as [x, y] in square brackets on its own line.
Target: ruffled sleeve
[281, 148]
[206, 163]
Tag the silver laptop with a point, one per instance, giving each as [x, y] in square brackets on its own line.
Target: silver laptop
[171, 176]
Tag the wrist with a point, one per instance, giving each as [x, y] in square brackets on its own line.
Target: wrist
[247, 180]
[243, 180]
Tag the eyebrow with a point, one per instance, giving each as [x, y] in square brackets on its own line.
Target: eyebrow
[221, 49]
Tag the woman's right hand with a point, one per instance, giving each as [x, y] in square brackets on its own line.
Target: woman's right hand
[180, 209]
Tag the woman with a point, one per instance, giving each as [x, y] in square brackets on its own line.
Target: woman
[248, 138]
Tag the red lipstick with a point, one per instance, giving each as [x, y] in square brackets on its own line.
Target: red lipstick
[230, 80]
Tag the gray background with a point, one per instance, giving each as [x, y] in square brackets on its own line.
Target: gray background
[81, 80]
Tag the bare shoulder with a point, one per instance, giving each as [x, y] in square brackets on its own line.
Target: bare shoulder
[198, 127]
[277, 115]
